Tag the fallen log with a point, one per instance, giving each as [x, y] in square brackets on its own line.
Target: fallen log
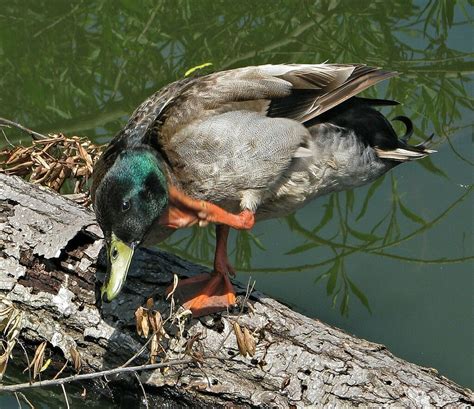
[262, 354]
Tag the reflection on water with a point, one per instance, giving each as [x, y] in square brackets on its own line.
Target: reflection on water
[390, 262]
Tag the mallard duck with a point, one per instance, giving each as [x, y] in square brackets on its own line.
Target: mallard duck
[235, 147]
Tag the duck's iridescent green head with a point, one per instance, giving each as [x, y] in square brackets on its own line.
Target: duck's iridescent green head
[130, 197]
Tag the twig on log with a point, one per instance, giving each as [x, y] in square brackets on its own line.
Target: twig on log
[27, 361]
[93, 375]
[61, 370]
[35, 135]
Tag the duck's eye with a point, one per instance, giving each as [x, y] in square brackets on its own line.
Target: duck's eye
[114, 253]
[125, 205]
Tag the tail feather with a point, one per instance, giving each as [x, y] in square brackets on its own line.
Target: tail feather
[374, 102]
[405, 154]
[424, 144]
[409, 127]
[372, 127]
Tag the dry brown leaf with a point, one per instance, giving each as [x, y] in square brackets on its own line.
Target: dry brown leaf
[10, 326]
[19, 167]
[76, 359]
[138, 320]
[156, 322]
[38, 171]
[250, 343]
[37, 157]
[151, 321]
[285, 383]
[154, 349]
[240, 339]
[16, 155]
[145, 324]
[77, 187]
[4, 357]
[173, 288]
[70, 157]
[149, 303]
[38, 359]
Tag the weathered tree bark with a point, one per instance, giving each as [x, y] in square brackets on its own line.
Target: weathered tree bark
[49, 249]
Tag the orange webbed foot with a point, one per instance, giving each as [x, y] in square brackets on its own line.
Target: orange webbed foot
[206, 293]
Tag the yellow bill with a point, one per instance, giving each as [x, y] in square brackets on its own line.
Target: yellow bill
[119, 256]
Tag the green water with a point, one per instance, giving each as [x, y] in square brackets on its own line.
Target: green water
[391, 262]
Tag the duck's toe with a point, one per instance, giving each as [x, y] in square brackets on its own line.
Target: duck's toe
[206, 293]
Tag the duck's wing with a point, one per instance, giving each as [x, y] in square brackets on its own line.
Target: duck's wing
[300, 92]
[296, 91]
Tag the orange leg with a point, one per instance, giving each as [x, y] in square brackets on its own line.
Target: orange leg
[206, 293]
[221, 261]
[202, 211]
[176, 218]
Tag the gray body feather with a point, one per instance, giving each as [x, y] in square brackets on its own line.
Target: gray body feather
[237, 157]
[272, 166]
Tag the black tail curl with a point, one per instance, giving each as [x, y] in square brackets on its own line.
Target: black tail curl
[409, 127]
[409, 132]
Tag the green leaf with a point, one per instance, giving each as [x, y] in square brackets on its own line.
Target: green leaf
[410, 215]
[331, 285]
[321, 276]
[327, 214]
[302, 248]
[257, 241]
[363, 236]
[292, 222]
[428, 164]
[132, 5]
[393, 231]
[449, 7]
[431, 93]
[63, 75]
[344, 308]
[46, 365]
[243, 253]
[94, 54]
[58, 111]
[197, 67]
[360, 295]
[373, 187]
